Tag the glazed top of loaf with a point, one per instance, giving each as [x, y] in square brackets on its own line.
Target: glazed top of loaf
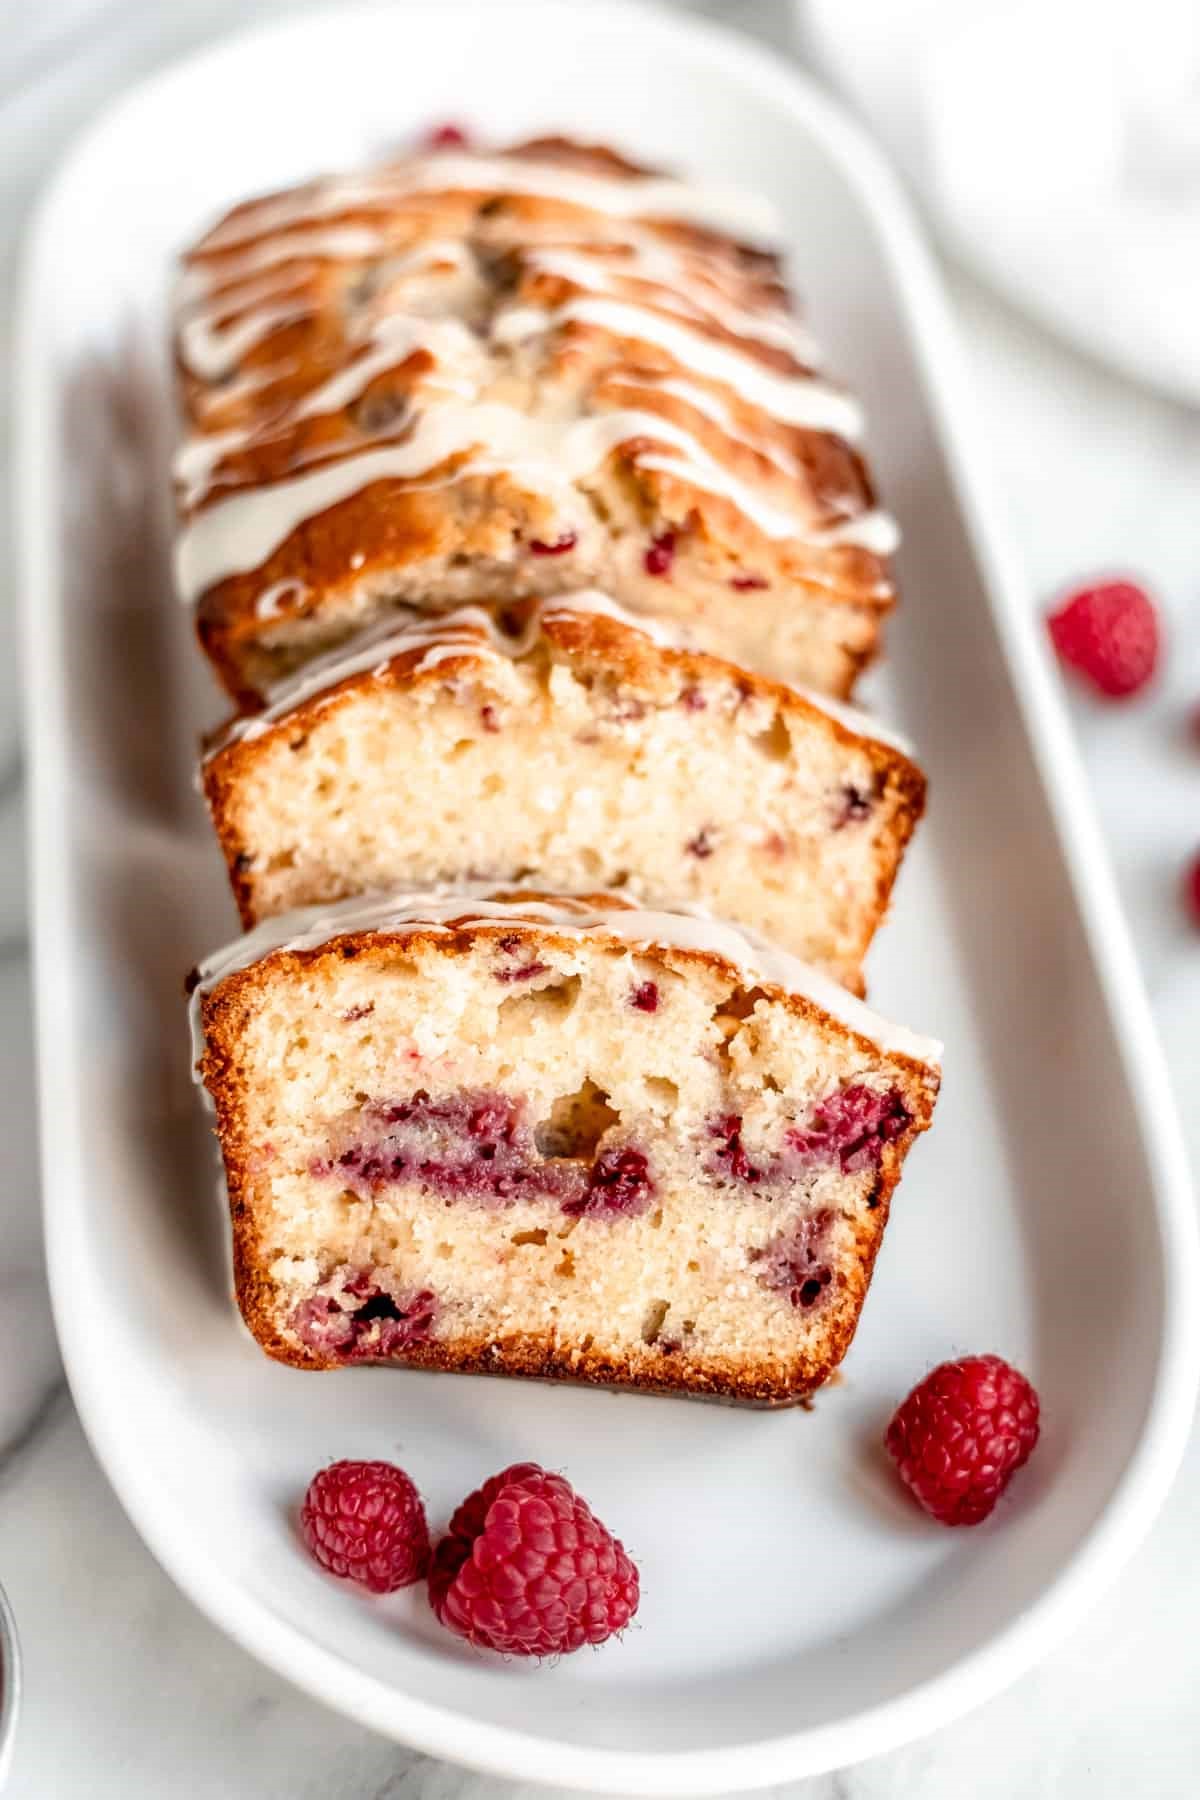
[424, 642]
[528, 319]
[689, 928]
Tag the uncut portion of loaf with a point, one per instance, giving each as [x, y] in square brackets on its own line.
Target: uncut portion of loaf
[553, 1137]
[464, 377]
[571, 744]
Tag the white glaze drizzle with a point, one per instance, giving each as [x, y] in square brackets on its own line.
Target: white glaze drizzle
[345, 243]
[711, 406]
[875, 531]
[794, 399]
[428, 254]
[454, 345]
[196, 460]
[702, 471]
[593, 600]
[684, 926]
[634, 197]
[652, 261]
[854, 719]
[236, 296]
[212, 351]
[393, 340]
[458, 370]
[244, 528]
[442, 649]
[272, 599]
[241, 531]
[232, 394]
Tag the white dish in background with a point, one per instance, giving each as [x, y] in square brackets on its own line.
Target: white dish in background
[10, 1685]
[1046, 1216]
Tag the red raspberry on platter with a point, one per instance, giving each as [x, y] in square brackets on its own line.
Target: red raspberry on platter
[963, 1431]
[364, 1521]
[1191, 889]
[446, 137]
[1110, 635]
[527, 1569]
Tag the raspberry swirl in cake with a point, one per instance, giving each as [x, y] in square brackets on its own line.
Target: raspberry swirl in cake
[457, 1135]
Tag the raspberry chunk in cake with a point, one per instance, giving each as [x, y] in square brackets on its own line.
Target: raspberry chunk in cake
[568, 743]
[434, 1163]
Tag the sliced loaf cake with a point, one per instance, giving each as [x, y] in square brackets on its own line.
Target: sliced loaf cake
[570, 744]
[551, 1136]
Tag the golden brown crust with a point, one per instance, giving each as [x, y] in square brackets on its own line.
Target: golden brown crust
[538, 1359]
[398, 536]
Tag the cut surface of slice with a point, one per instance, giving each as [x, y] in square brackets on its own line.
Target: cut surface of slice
[567, 743]
[553, 1136]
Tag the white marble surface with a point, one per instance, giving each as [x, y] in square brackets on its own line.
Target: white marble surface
[129, 1692]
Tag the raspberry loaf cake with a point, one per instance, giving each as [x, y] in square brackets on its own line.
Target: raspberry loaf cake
[570, 744]
[549, 1136]
[467, 377]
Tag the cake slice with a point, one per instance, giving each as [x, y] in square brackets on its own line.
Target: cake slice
[573, 745]
[564, 1137]
[462, 377]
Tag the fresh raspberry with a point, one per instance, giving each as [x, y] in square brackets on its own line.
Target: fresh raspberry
[526, 1569]
[446, 137]
[1191, 889]
[365, 1522]
[1110, 635]
[961, 1434]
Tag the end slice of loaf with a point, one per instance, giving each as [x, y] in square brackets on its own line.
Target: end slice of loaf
[460, 377]
[560, 1137]
[569, 744]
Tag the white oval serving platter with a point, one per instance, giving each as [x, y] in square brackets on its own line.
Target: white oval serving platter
[798, 1613]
